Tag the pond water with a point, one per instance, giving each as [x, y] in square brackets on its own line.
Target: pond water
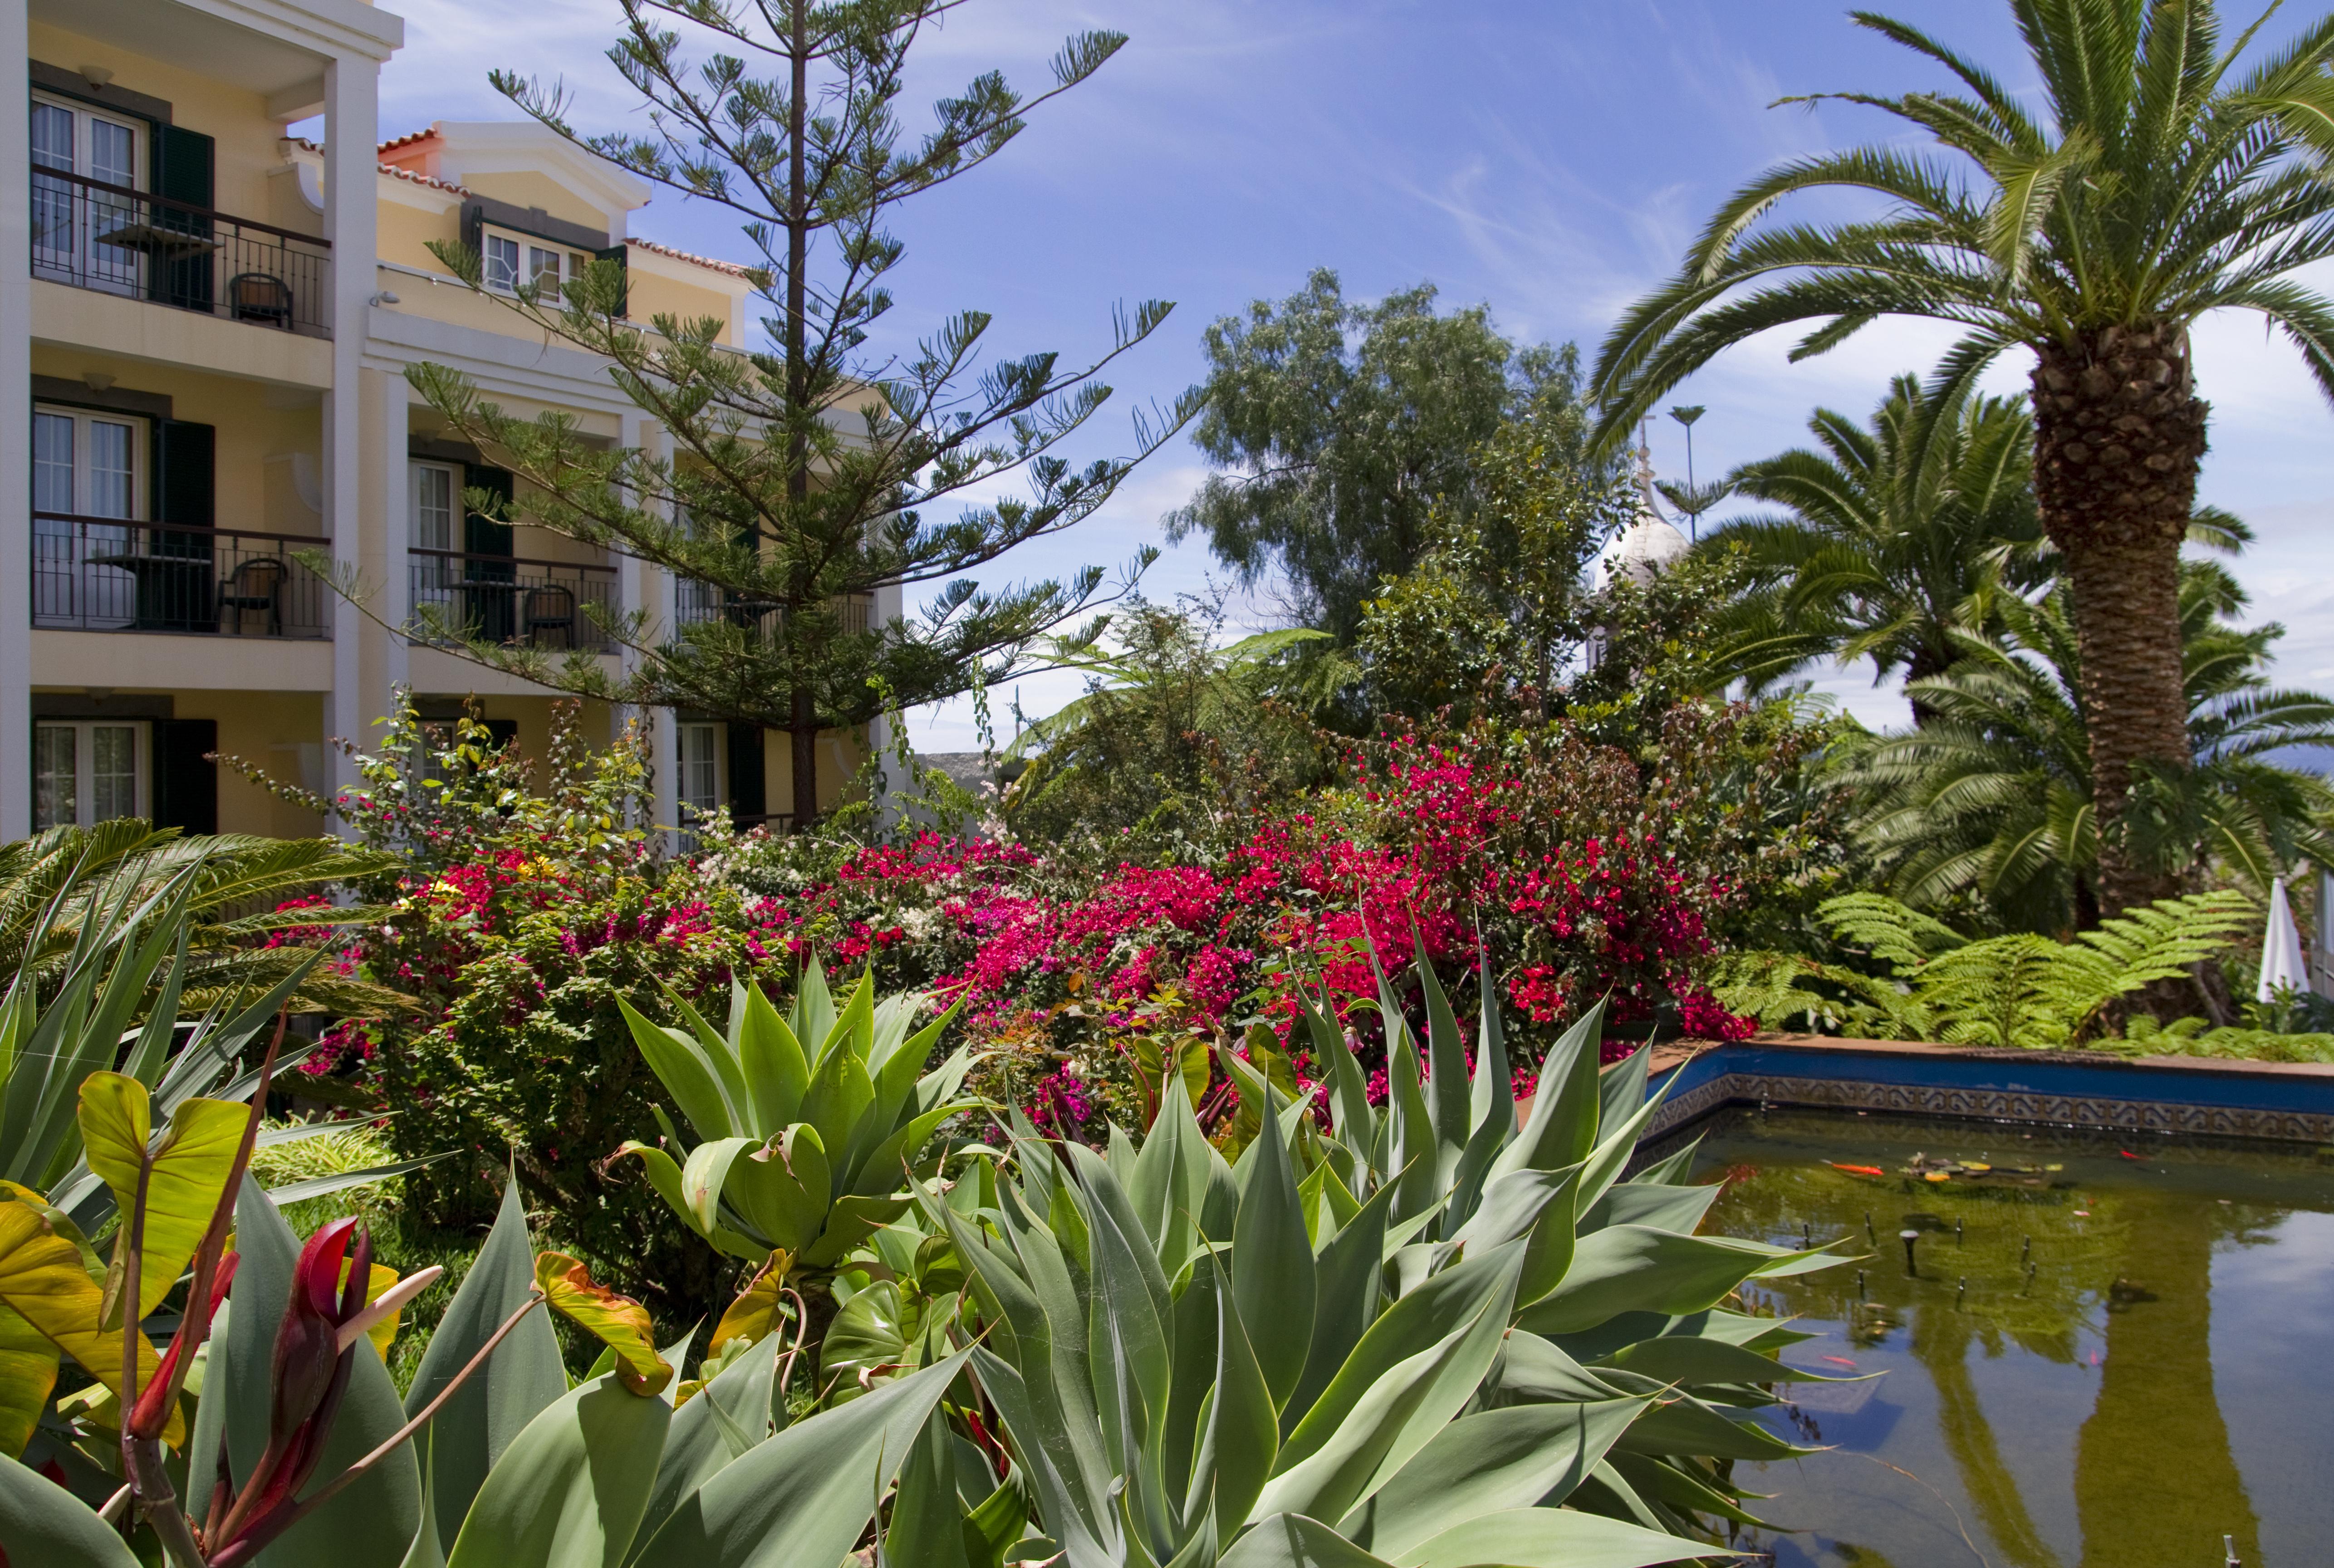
[2162, 1376]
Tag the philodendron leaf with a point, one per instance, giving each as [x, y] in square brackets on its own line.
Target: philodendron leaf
[759, 1309]
[570, 1492]
[620, 1323]
[523, 1376]
[28, 1376]
[805, 1497]
[42, 1524]
[189, 1170]
[42, 1278]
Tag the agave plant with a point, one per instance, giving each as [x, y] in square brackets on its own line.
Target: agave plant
[801, 1125]
[1451, 1342]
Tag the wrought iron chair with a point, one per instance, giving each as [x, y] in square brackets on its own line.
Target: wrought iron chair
[256, 585]
[550, 607]
[260, 297]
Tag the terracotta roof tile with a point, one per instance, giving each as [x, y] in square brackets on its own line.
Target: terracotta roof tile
[732, 268]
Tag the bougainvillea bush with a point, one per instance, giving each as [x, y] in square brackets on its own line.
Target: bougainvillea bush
[533, 896]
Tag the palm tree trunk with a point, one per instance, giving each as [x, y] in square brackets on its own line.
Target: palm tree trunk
[2118, 434]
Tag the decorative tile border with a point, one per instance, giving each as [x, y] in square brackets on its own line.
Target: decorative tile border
[1957, 1085]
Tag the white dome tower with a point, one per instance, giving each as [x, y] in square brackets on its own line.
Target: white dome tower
[1649, 545]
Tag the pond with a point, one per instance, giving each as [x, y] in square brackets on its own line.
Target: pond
[2111, 1350]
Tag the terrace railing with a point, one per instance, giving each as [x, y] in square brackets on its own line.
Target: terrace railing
[514, 600]
[120, 241]
[109, 574]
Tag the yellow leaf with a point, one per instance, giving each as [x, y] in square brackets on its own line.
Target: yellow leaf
[28, 1375]
[384, 1333]
[189, 1170]
[756, 1312]
[41, 1277]
[620, 1322]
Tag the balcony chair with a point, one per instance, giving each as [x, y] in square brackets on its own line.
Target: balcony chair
[550, 607]
[260, 297]
[257, 584]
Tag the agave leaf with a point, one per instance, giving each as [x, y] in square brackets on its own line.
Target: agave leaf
[1549, 1538]
[682, 1065]
[840, 1093]
[1621, 1087]
[803, 1496]
[1533, 1369]
[1634, 1267]
[704, 1176]
[524, 1377]
[1415, 1367]
[1447, 1090]
[1688, 1426]
[572, 1488]
[1562, 1127]
[776, 1072]
[42, 1524]
[1487, 1463]
[1240, 1432]
[1689, 1359]
[427, 1551]
[813, 1019]
[1640, 1202]
[718, 1053]
[1673, 1169]
[1346, 1286]
[663, 1174]
[1293, 1541]
[927, 1526]
[728, 1417]
[1273, 1286]
[1170, 1183]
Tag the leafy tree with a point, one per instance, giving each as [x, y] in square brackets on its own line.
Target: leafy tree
[802, 476]
[1178, 733]
[1893, 538]
[1346, 426]
[1497, 605]
[2157, 183]
[1987, 812]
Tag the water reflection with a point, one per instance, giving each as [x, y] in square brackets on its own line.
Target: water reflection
[2051, 1396]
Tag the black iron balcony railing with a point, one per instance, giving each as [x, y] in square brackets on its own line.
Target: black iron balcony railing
[695, 602]
[509, 598]
[112, 238]
[105, 574]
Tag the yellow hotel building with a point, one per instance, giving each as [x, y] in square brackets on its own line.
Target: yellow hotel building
[206, 321]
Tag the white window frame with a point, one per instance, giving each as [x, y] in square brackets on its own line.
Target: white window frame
[547, 267]
[498, 280]
[63, 583]
[85, 733]
[91, 264]
[698, 795]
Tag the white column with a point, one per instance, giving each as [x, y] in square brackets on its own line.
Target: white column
[897, 782]
[658, 598]
[350, 139]
[16, 437]
[396, 602]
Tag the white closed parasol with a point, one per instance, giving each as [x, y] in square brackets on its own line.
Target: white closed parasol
[2281, 965]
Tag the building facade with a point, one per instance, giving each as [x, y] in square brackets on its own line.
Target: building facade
[207, 321]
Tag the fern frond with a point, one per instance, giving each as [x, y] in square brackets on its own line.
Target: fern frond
[1901, 936]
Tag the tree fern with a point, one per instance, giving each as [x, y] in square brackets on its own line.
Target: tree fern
[2020, 990]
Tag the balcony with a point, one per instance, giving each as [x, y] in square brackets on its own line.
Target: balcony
[119, 240]
[512, 600]
[695, 603]
[105, 574]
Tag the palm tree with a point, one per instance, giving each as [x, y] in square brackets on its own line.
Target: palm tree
[1893, 538]
[1987, 810]
[2157, 184]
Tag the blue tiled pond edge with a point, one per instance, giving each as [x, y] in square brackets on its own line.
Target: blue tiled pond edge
[2291, 1103]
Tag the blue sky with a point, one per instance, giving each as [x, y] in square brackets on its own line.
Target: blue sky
[1550, 161]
